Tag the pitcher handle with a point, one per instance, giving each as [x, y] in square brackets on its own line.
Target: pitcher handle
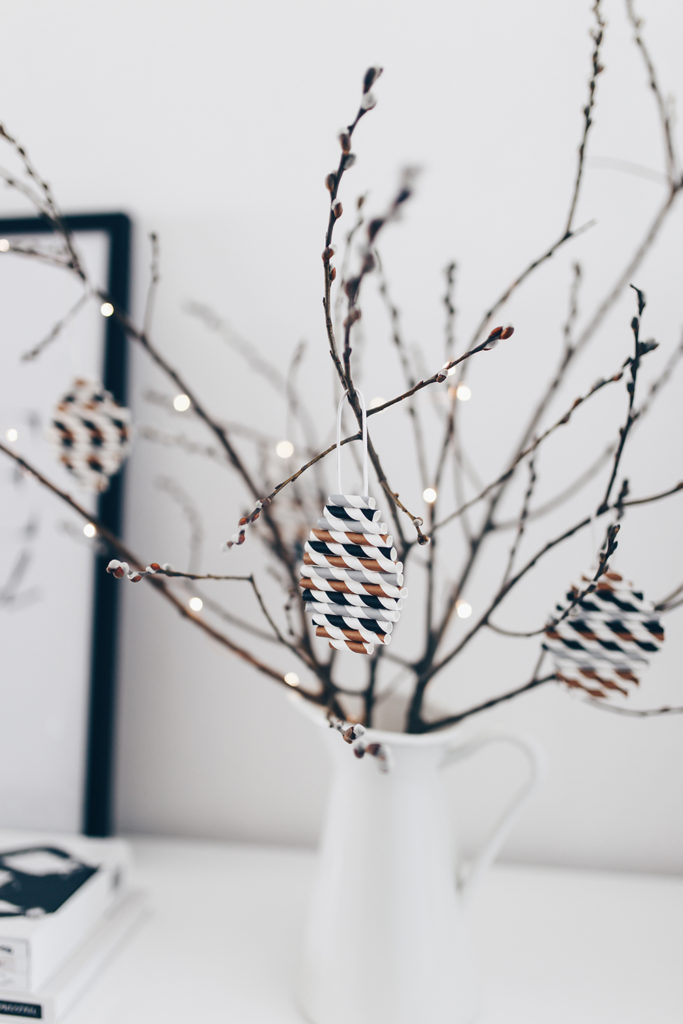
[468, 880]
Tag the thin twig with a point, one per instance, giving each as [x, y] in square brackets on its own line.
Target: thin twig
[154, 277]
[664, 116]
[598, 36]
[191, 513]
[58, 327]
[634, 366]
[522, 520]
[614, 709]
[121, 549]
[399, 345]
[442, 723]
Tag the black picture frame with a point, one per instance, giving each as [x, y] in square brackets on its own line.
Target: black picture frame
[97, 798]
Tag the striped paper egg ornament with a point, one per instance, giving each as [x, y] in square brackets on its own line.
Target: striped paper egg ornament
[605, 641]
[351, 580]
[91, 433]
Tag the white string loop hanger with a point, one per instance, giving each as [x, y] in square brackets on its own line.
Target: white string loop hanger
[364, 430]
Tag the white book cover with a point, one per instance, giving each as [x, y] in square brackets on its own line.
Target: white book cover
[62, 990]
[54, 889]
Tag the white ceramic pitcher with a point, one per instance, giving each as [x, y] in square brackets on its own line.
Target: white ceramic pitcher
[386, 940]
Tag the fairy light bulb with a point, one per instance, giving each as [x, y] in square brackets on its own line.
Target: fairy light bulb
[285, 449]
[429, 495]
[195, 604]
[89, 530]
[4, 245]
[463, 393]
[106, 309]
[181, 403]
[291, 678]
[463, 609]
[12, 434]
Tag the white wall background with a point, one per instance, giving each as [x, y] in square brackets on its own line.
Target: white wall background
[214, 125]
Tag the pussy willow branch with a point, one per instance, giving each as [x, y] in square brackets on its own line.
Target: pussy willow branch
[630, 269]
[10, 589]
[664, 377]
[568, 232]
[436, 635]
[664, 115]
[665, 601]
[142, 338]
[532, 684]
[549, 546]
[124, 551]
[598, 36]
[279, 547]
[609, 546]
[614, 709]
[180, 442]
[427, 667]
[449, 303]
[654, 497]
[488, 520]
[528, 270]
[48, 207]
[154, 278]
[436, 378]
[569, 490]
[257, 362]
[631, 389]
[333, 180]
[522, 519]
[346, 258]
[190, 511]
[426, 673]
[562, 421]
[59, 326]
[13, 182]
[440, 376]
[404, 362]
[217, 609]
[231, 427]
[353, 290]
[52, 212]
[297, 410]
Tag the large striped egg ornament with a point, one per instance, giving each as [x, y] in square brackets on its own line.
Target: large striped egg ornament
[604, 643]
[91, 434]
[351, 580]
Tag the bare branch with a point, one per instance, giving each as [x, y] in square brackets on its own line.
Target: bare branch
[117, 545]
[597, 68]
[57, 328]
[534, 682]
[154, 277]
[615, 709]
[664, 116]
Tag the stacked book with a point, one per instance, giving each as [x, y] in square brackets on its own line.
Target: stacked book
[65, 906]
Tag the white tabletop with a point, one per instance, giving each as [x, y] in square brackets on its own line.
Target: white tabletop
[221, 938]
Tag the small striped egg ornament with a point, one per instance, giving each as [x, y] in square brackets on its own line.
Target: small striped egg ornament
[91, 433]
[604, 642]
[351, 580]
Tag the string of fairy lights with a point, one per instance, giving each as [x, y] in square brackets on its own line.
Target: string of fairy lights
[284, 449]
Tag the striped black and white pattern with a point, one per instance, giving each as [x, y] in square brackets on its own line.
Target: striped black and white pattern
[351, 580]
[91, 434]
[606, 639]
